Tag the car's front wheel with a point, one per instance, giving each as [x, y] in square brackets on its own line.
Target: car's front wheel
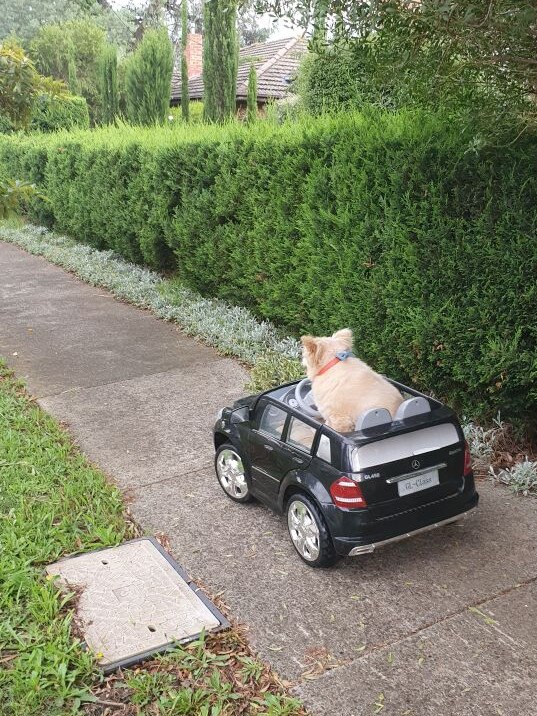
[309, 532]
[231, 473]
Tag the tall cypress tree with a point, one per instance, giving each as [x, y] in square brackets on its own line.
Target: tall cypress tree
[72, 78]
[251, 100]
[185, 98]
[220, 59]
[148, 78]
[109, 85]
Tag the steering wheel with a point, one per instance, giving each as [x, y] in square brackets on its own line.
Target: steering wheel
[304, 398]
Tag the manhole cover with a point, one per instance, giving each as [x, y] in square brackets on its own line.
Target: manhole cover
[134, 601]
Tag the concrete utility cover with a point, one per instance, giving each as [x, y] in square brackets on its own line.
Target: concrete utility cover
[134, 600]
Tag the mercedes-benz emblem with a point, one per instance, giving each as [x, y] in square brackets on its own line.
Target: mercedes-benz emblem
[415, 464]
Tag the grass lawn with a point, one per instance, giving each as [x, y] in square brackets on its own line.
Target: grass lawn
[53, 503]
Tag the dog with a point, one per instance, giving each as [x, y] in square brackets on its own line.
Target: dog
[344, 387]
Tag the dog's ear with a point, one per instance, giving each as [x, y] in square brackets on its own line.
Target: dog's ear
[310, 344]
[345, 334]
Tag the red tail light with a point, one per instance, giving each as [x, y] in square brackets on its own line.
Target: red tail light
[347, 493]
[467, 459]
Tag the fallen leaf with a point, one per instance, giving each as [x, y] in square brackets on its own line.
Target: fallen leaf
[488, 620]
[379, 703]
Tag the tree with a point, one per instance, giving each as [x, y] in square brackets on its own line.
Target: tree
[109, 85]
[72, 78]
[185, 98]
[153, 13]
[248, 26]
[24, 19]
[151, 17]
[71, 51]
[148, 78]
[465, 49]
[220, 59]
[21, 84]
[251, 102]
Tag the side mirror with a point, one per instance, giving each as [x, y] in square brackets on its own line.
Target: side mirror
[241, 415]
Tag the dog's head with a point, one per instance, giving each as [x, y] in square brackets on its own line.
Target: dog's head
[316, 352]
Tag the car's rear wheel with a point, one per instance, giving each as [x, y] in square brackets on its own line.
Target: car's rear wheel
[309, 532]
[231, 473]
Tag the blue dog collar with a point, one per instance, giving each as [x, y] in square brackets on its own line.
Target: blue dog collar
[343, 355]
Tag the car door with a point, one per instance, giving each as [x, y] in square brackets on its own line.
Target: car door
[266, 446]
[299, 440]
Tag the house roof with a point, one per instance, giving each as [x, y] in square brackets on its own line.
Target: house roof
[276, 63]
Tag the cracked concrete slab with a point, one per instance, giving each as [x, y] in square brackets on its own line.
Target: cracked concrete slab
[76, 335]
[364, 602]
[148, 426]
[151, 427]
[461, 666]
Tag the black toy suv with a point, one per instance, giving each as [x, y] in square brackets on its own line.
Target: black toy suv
[345, 494]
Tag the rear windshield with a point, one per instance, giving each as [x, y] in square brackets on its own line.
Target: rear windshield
[398, 447]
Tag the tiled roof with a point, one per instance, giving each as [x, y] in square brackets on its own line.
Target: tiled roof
[276, 63]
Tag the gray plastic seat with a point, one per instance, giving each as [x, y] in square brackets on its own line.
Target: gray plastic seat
[412, 407]
[372, 418]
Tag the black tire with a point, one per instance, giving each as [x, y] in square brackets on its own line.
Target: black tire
[320, 552]
[236, 483]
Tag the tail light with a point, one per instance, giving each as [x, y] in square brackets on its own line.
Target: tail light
[467, 460]
[347, 493]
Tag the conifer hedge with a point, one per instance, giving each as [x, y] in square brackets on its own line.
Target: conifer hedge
[395, 225]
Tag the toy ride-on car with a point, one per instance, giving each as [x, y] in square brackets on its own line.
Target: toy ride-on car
[345, 494]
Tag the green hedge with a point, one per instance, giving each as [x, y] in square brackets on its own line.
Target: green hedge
[65, 112]
[54, 113]
[395, 225]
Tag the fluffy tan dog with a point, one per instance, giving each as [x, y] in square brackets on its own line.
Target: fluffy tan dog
[347, 388]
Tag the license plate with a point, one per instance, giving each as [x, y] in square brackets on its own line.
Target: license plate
[418, 483]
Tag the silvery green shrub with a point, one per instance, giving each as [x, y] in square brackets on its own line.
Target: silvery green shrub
[521, 478]
[482, 441]
[231, 329]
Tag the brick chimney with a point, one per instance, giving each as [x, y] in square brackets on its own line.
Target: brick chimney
[194, 54]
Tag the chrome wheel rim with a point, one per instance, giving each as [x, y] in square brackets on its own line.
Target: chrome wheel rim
[304, 530]
[230, 471]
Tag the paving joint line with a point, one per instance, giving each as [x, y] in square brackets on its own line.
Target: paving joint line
[117, 382]
[199, 468]
[377, 647]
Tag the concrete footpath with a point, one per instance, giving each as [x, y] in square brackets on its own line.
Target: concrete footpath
[441, 625]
